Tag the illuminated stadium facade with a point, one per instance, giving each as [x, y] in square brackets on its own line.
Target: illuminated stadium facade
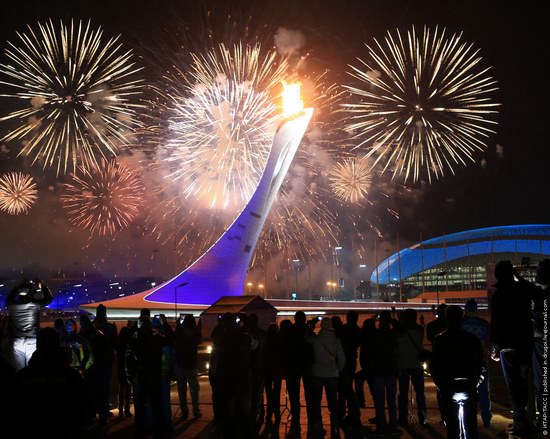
[462, 261]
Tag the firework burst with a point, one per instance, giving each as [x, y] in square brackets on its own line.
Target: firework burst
[217, 112]
[103, 199]
[221, 124]
[424, 103]
[79, 88]
[351, 179]
[17, 193]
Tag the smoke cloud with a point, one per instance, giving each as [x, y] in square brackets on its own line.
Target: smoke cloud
[288, 41]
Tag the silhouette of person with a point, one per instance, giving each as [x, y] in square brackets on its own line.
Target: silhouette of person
[480, 328]
[48, 397]
[258, 365]
[7, 373]
[234, 348]
[273, 374]
[299, 356]
[434, 328]
[24, 305]
[365, 361]
[512, 339]
[124, 388]
[456, 365]
[328, 361]
[144, 372]
[188, 338]
[385, 371]
[409, 346]
[104, 364]
[438, 325]
[77, 347]
[350, 336]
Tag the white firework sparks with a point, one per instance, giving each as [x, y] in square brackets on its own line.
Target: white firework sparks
[424, 103]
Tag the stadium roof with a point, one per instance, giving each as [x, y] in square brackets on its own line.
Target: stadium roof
[521, 239]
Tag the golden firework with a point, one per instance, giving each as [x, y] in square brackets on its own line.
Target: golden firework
[79, 88]
[423, 103]
[17, 193]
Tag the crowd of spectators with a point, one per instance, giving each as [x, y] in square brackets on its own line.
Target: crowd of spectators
[58, 382]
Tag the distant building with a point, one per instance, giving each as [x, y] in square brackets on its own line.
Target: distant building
[460, 262]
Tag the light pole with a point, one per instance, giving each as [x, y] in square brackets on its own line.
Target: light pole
[261, 289]
[296, 265]
[361, 280]
[439, 276]
[176, 299]
[249, 287]
[336, 254]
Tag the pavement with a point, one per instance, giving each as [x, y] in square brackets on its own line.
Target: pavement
[203, 427]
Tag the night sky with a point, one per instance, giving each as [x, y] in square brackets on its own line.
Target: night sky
[507, 185]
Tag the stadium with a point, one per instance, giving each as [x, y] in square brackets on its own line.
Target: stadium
[460, 265]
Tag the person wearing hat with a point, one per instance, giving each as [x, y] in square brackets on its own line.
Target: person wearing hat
[480, 328]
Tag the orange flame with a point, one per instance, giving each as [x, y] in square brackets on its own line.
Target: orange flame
[292, 102]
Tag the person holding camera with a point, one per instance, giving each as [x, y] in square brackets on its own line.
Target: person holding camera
[24, 305]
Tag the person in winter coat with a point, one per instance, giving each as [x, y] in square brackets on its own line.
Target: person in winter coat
[328, 360]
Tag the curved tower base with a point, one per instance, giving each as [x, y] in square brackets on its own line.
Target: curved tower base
[221, 270]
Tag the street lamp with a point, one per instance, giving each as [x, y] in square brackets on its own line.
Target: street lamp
[249, 287]
[439, 276]
[337, 250]
[261, 289]
[296, 265]
[361, 281]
